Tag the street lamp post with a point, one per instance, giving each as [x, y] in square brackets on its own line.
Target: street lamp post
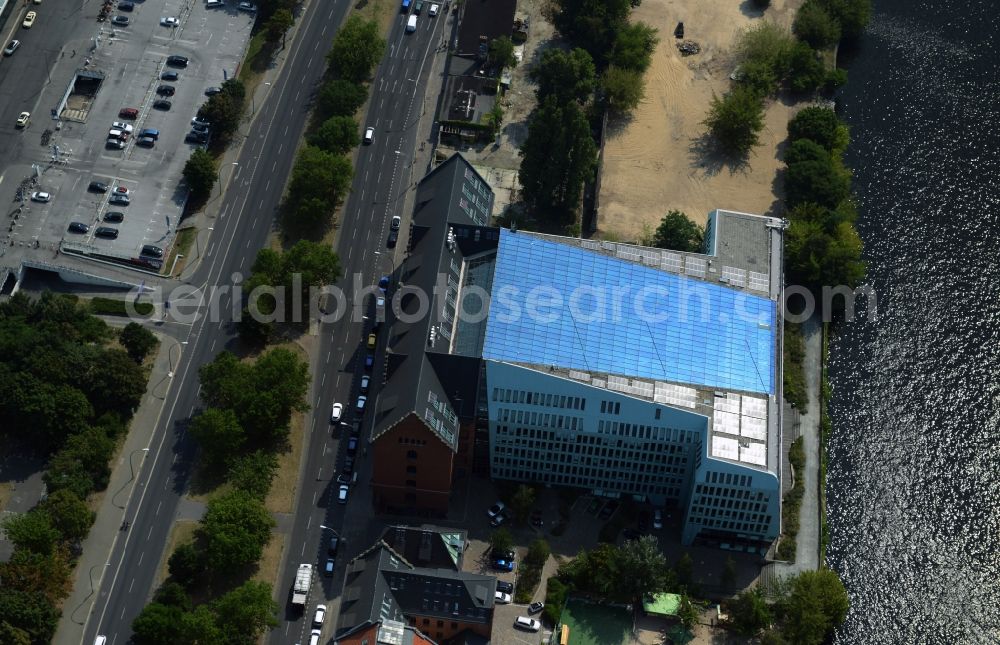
[170, 361]
[130, 466]
[253, 103]
[235, 163]
[106, 564]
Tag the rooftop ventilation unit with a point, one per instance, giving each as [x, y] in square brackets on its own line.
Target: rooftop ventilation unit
[432, 337]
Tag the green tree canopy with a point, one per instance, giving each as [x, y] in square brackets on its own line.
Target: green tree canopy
[68, 514]
[320, 179]
[736, 120]
[806, 72]
[816, 603]
[677, 232]
[137, 340]
[501, 53]
[29, 611]
[158, 624]
[806, 150]
[565, 75]
[687, 613]
[223, 112]
[521, 502]
[623, 89]
[115, 383]
[186, 565]
[642, 570]
[32, 531]
[818, 253]
[684, 571]
[821, 125]
[338, 134]
[501, 541]
[356, 49]
[199, 172]
[254, 473]
[246, 612]
[766, 43]
[277, 25]
[825, 183]
[853, 15]
[538, 553]
[340, 98]
[557, 157]
[46, 573]
[235, 529]
[263, 395]
[591, 24]
[814, 24]
[749, 612]
[173, 595]
[306, 265]
[219, 434]
[634, 46]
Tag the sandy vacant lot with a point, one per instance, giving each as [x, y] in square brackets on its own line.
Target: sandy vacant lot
[655, 162]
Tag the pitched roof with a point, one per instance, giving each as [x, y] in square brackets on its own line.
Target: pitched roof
[382, 585]
[483, 21]
[452, 196]
[427, 546]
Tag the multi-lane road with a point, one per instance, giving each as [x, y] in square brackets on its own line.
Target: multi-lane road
[379, 188]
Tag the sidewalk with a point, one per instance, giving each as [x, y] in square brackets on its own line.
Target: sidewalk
[104, 534]
[807, 541]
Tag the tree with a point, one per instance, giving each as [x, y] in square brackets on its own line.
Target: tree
[806, 72]
[341, 98]
[593, 24]
[311, 213]
[736, 120]
[173, 595]
[11, 635]
[623, 89]
[48, 574]
[157, 624]
[494, 118]
[338, 134]
[199, 172]
[356, 49]
[760, 77]
[252, 329]
[749, 612]
[305, 266]
[68, 514]
[501, 541]
[765, 43]
[566, 75]
[816, 257]
[32, 531]
[277, 25]
[253, 473]
[114, 383]
[235, 528]
[219, 434]
[814, 24]
[687, 613]
[29, 611]
[501, 53]
[521, 502]
[676, 231]
[223, 112]
[246, 612]
[321, 175]
[821, 125]
[823, 182]
[186, 565]
[853, 15]
[641, 569]
[634, 46]
[816, 603]
[558, 156]
[803, 150]
[137, 340]
[200, 626]
[538, 553]
[729, 573]
[684, 570]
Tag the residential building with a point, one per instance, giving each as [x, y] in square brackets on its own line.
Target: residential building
[480, 23]
[626, 371]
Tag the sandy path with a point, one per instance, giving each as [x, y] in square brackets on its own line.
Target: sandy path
[653, 163]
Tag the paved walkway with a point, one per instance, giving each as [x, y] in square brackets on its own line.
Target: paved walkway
[106, 529]
[807, 541]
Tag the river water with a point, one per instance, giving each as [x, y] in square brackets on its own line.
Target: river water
[914, 471]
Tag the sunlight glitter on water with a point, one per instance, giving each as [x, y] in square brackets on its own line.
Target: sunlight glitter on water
[914, 469]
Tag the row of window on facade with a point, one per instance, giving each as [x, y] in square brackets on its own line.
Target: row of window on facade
[660, 436]
[593, 483]
[743, 527]
[523, 397]
[713, 477]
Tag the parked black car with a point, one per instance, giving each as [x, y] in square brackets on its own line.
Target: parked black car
[177, 61]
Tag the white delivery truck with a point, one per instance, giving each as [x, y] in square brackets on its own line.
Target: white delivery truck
[303, 582]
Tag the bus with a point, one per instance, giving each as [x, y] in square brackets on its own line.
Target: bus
[406, 5]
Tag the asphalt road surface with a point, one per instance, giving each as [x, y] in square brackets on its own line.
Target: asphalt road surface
[240, 231]
[381, 182]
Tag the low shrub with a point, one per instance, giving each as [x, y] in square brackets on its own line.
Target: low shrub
[113, 307]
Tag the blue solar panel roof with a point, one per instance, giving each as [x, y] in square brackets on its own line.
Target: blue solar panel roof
[557, 304]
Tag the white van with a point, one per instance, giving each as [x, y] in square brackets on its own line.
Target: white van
[314, 637]
[411, 24]
[100, 640]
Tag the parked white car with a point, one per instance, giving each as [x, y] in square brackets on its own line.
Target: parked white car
[39, 196]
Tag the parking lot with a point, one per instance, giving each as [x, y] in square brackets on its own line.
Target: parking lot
[132, 60]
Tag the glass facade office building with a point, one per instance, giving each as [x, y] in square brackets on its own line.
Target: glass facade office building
[641, 373]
